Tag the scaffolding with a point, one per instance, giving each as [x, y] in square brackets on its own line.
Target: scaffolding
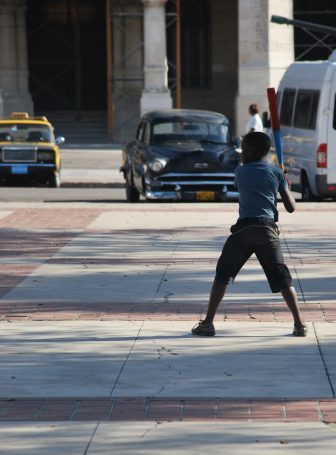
[125, 61]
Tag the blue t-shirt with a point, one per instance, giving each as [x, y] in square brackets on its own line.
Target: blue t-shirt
[258, 184]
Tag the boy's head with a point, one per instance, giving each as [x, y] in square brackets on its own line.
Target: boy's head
[255, 146]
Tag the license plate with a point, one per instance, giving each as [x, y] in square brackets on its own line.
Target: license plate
[20, 169]
[205, 195]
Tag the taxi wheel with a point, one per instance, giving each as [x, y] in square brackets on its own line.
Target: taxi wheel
[55, 180]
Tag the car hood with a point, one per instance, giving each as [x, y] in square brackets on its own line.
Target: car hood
[196, 157]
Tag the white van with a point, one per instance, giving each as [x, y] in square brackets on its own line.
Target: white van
[307, 107]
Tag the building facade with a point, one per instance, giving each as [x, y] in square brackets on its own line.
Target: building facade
[115, 59]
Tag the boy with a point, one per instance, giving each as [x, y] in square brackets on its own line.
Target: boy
[256, 232]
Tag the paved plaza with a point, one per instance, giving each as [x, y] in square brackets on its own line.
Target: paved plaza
[96, 306]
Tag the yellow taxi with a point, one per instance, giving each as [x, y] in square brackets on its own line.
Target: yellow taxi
[29, 150]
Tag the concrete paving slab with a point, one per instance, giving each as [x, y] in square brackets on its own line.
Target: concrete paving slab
[116, 245]
[52, 438]
[166, 216]
[87, 283]
[326, 336]
[317, 282]
[183, 438]
[77, 358]
[144, 438]
[236, 363]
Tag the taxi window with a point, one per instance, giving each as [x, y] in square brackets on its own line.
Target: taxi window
[25, 132]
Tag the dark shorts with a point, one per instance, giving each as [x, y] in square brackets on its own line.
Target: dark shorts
[259, 236]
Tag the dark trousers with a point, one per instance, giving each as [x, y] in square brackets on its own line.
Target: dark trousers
[259, 236]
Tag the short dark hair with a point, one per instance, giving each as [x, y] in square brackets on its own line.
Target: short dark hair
[255, 146]
[253, 109]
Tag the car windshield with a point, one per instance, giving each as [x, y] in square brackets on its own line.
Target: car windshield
[25, 132]
[177, 131]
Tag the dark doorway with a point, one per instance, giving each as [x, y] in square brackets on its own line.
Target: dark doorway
[67, 54]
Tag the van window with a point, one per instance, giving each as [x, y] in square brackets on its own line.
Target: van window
[306, 109]
[287, 106]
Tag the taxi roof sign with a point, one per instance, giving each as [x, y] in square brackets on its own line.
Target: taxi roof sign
[20, 115]
[25, 116]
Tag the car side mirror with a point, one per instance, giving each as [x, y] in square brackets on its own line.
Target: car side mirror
[237, 142]
[60, 140]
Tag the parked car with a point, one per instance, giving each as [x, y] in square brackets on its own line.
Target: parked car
[181, 155]
[29, 150]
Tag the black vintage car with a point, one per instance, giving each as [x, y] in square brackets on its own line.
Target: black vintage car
[181, 155]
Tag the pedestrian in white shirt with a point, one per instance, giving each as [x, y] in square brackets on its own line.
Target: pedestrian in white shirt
[255, 122]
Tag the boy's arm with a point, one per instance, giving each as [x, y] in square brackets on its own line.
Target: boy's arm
[287, 199]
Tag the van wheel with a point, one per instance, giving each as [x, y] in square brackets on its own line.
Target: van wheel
[307, 195]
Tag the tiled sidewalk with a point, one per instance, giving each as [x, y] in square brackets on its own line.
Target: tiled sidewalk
[35, 239]
[172, 409]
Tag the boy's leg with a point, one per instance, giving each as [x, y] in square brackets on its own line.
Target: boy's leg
[270, 256]
[290, 297]
[206, 327]
[233, 257]
[216, 296]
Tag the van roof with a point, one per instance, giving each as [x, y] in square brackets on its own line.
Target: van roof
[300, 72]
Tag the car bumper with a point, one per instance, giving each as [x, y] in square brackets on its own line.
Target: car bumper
[26, 169]
[192, 187]
[200, 196]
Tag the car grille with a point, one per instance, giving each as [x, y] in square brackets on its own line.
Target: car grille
[18, 154]
[203, 178]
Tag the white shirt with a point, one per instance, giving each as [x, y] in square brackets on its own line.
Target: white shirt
[255, 123]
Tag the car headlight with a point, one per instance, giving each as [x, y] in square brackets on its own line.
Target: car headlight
[157, 165]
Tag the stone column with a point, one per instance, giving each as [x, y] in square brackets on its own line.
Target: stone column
[14, 92]
[265, 50]
[156, 94]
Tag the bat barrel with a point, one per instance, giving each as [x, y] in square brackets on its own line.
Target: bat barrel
[275, 122]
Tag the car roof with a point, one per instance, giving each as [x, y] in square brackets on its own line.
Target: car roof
[185, 114]
[25, 121]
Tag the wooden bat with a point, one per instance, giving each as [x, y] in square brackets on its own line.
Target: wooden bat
[275, 122]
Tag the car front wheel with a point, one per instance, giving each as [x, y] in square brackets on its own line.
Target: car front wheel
[55, 180]
[132, 194]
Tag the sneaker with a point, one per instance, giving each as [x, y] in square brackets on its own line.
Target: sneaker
[300, 331]
[204, 329]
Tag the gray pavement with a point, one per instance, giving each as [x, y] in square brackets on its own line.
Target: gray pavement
[91, 166]
[115, 303]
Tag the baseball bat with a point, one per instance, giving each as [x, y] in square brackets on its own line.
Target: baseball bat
[275, 123]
